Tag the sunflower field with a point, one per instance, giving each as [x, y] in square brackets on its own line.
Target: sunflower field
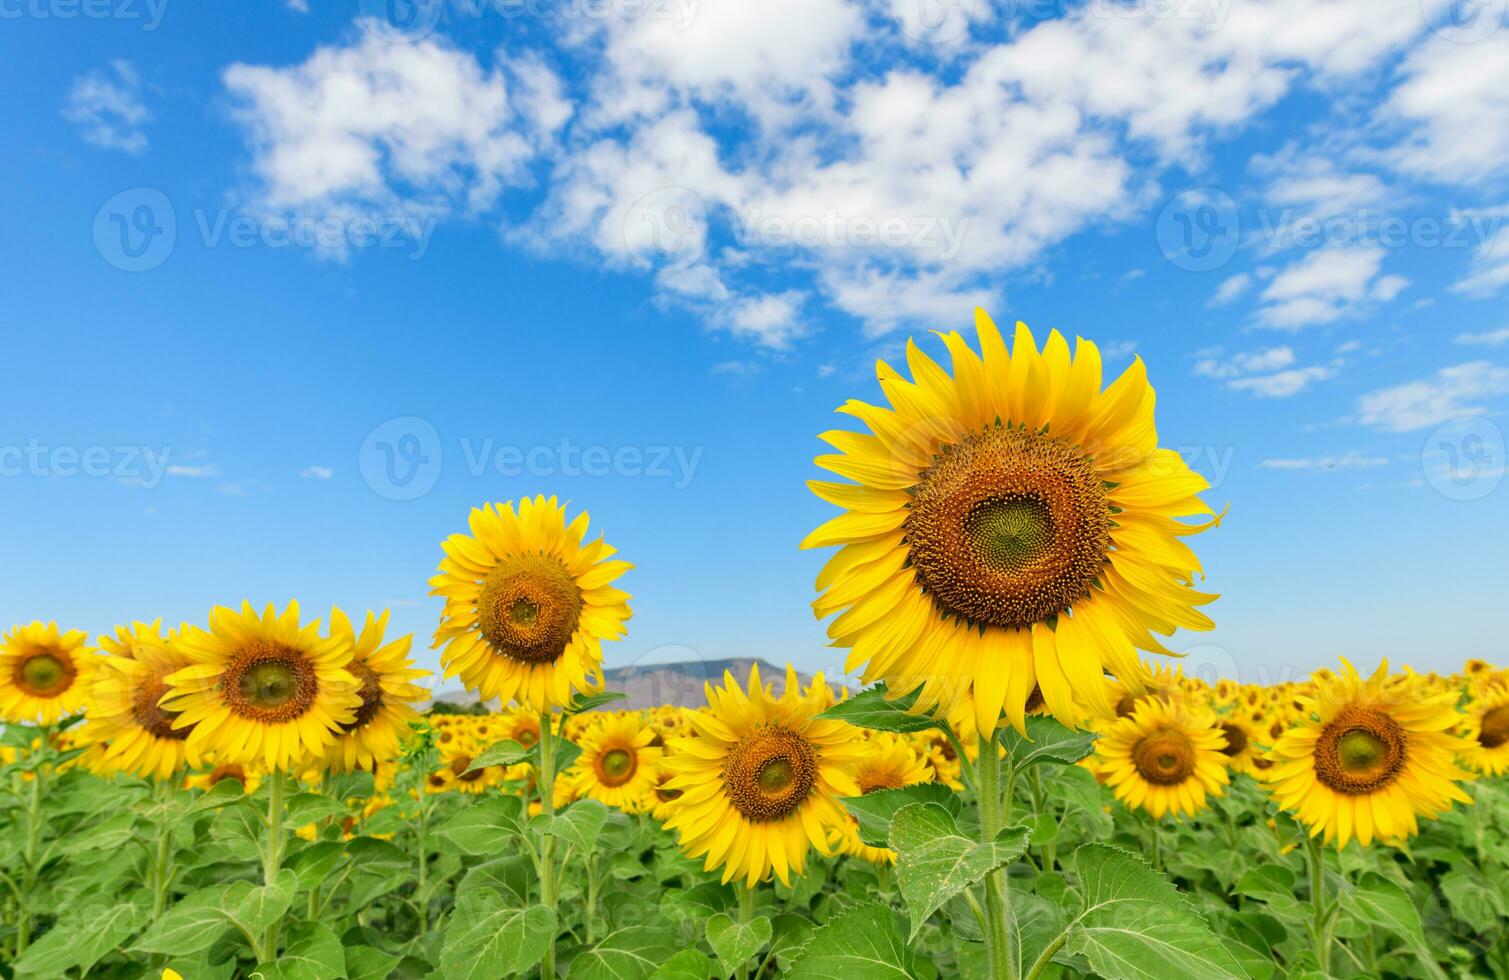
[1017, 781]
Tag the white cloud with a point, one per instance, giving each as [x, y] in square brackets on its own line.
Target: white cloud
[1488, 338]
[773, 320]
[193, 472]
[1283, 383]
[1352, 459]
[1327, 284]
[232, 489]
[1454, 98]
[1230, 289]
[1490, 263]
[1452, 393]
[1213, 365]
[107, 107]
[1269, 373]
[298, 6]
[316, 473]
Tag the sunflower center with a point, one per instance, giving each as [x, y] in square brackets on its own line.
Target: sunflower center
[1494, 730]
[616, 767]
[270, 683]
[770, 774]
[460, 766]
[146, 712]
[1236, 740]
[527, 736]
[873, 781]
[1164, 758]
[1008, 528]
[231, 771]
[371, 695]
[529, 608]
[1360, 751]
[45, 675]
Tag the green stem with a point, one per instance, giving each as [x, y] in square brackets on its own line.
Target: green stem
[546, 786]
[1046, 956]
[746, 915]
[1318, 929]
[992, 819]
[272, 857]
[162, 864]
[33, 841]
[592, 887]
[424, 861]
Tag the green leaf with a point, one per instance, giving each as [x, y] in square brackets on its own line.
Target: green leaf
[1270, 883]
[505, 753]
[486, 937]
[351, 785]
[874, 811]
[481, 827]
[735, 942]
[934, 862]
[109, 834]
[371, 854]
[862, 943]
[190, 926]
[80, 944]
[511, 877]
[689, 964]
[313, 864]
[366, 963]
[223, 792]
[313, 952]
[591, 702]
[566, 752]
[302, 809]
[579, 824]
[17, 737]
[872, 709]
[631, 953]
[1381, 903]
[1046, 742]
[1136, 925]
[257, 907]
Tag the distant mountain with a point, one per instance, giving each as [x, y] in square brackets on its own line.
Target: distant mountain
[652, 685]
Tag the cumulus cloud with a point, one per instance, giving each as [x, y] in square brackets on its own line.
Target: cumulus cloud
[1486, 338]
[1325, 285]
[1273, 372]
[1451, 393]
[1352, 459]
[108, 108]
[316, 473]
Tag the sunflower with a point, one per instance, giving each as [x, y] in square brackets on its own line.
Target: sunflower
[665, 798]
[519, 725]
[1008, 526]
[134, 733]
[246, 775]
[461, 777]
[889, 763]
[1368, 759]
[263, 688]
[1242, 735]
[528, 604]
[618, 764]
[1486, 731]
[1166, 757]
[761, 778]
[386, 677]
[44, 674]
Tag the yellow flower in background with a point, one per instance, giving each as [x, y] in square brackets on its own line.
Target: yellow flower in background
[520, 725]
[761, 778]
[1242, 736]
[134, 732]
[45, 674]
[528, 604]
[1009, 526]
[263, 688]
[889, 762]
[618, 765]
[665, 799]
[247, 776]
[385, 677]
[1486, 731]
[1369, 758]
[1164, 758]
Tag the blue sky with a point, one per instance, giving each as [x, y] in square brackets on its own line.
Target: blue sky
[634, 253]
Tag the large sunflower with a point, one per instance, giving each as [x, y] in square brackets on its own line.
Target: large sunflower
[44, 673]
[761, 778]
[135, 733]
[618, 764]
[1369, 758]
[263, 688]
[528, 604]
[1165, 757]
[1009, 525]
[385, 676]
[1487, 730]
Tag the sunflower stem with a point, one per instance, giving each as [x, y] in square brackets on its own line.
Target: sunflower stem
[746, 915]
[162, 865]
[1318, 928]
[33, 840]
[272, 857]
[546, 786]
[992, 819]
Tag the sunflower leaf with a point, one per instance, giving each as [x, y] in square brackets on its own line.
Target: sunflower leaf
[1136, 925]
[934, 862]
[579, 824]
[1383, 904]
[486, 937]
[591, 702]
[227, 790]
[873, 708]
[875, 810]
[476, 829]
[1046, 742]
[189, 927]
[735, 942]
[314, 952]
[689, 964]
[630, 953]
[80, 944]
[863, 943]
[504, 753]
